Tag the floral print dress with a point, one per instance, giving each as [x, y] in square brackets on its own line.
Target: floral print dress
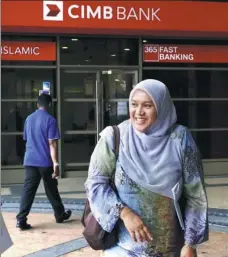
[157, 212]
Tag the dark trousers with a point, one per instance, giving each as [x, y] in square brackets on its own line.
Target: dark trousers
[33, 176]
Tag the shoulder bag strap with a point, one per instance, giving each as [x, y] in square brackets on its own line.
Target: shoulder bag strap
[117, 140]
[116, 150]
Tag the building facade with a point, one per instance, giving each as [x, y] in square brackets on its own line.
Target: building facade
[88, 56]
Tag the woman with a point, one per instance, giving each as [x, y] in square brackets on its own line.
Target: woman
[158, 166]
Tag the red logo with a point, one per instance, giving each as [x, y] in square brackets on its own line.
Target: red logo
[53, 10]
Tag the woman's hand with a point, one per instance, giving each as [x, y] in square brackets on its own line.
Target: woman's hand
[133, 223]
[188, 251]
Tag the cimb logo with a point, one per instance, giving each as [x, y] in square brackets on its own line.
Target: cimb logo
[53, 10]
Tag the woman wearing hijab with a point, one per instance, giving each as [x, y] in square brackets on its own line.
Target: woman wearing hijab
[158, 165]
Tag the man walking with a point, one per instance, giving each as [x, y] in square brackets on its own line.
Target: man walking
[41, 134]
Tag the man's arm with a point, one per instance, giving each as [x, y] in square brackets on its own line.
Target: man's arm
[53, 136]
[53, 150]
[54, 154]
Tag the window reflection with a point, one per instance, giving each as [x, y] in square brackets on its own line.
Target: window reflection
[202, 114]
[99, 51]
[118, 84]
[212, 144]
[192, 83]
[80, 116]
[78, 85]
[26, 83]
[13, 149]
[78, 148]
[116, 113]
[15, 114]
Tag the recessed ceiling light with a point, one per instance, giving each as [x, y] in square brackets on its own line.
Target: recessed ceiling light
[107, 72]
[113, 55]
[117, 80]
[144, 41]
[127, 49]
[74, 39]
[86, 60]
[64, 47]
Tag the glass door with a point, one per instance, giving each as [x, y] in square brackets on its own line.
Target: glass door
[79, 116]
[115, 87]
[92, 100]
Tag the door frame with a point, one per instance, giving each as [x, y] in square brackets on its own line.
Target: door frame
[100, 95]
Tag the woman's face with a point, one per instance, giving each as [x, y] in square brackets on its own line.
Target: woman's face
[142, 111]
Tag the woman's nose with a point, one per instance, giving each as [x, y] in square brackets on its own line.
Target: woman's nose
[139, 111]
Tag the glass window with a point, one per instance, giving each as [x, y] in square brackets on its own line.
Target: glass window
[14, 114]
[78, 84]
[78, 148]
[26, 83]
[192, 83]
[212, 84]
[12, 150]
[80, 116]
[202, 114]
[99, 51]
[212, 144]
[117, 84]
[115, 113]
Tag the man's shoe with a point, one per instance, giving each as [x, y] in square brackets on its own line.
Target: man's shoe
[65, 216]
[23, 225]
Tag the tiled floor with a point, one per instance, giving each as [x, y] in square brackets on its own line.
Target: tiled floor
[47, 233]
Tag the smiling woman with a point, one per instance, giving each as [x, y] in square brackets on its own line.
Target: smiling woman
[159, 206]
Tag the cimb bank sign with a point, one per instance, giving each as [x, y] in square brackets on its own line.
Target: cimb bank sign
[55, 11]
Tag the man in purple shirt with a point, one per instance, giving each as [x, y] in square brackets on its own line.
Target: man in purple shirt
[41, 134]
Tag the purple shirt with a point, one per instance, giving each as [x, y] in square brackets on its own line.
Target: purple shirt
[39, 127]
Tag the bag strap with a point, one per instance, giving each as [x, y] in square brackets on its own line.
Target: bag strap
[116, 150]
[117, 140]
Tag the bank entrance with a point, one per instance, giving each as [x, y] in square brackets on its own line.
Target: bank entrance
[90, 79]
[93, 99]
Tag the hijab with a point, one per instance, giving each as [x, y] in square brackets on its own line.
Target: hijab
[152, 158]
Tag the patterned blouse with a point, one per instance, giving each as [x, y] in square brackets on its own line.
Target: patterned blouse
[158, 212]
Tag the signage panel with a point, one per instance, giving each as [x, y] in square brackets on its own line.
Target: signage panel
[115, 17]
[28, 51]
[185, 53]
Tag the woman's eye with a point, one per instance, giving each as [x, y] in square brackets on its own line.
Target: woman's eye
[133, 104]
[148, 105]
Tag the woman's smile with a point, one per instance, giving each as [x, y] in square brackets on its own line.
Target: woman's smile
[143, 112]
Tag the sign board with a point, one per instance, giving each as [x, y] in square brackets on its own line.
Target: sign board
[116, 17]
[46, 85]
[28, 51]
[185, 53]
